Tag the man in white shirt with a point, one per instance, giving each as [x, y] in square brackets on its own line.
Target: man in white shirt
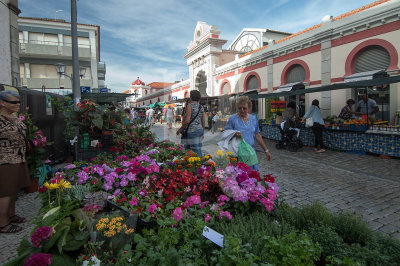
[367, 106]
[150, 116]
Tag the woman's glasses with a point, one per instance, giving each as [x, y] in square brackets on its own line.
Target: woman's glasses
[12, 102]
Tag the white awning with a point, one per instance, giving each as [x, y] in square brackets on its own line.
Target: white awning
[287, 87]
[368, 75]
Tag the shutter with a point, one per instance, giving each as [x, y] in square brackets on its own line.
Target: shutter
[252, 83]
[296, 74]
[372, 58]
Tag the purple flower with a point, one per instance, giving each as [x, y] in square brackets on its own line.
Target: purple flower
[108, 186]
[142, 193]
[207, 218]
[125, 163]
[226, 214]
[223, 198]
[42, 233]
[203, 204]
[178, 214]
[83, 176]
[70, 166]
[116, 192]
[123, 182]
[38, 259]
[242, 177]
[152, 208]
[131, 177]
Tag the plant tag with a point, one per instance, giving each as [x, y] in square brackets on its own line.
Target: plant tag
[214, 236]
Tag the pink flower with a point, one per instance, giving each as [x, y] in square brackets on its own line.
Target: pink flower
[178, 214]
[207, 218]
[42, 233]
[70, 166]
[223, 198]
[268, 204]
[152, 208]
[134, 201]
[203, 204]
[192, 201]
[226, 214]
[38, 259]
[21, 117]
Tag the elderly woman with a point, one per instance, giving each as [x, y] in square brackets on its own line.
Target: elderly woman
[247, 125]
[193, 123]
[14, 173]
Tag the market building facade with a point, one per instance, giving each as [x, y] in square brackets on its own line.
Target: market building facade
[352, 46]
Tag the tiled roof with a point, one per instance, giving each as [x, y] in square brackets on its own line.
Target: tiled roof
[352, 12]
[138, 82]
[160, 85]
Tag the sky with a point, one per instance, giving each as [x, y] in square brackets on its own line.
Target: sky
[148, 38]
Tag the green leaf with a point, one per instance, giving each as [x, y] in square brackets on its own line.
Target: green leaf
[51, 212]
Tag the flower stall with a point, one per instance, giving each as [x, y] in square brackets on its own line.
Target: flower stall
[147, 203]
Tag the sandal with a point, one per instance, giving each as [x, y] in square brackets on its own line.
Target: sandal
[17, 219]
[11, 229]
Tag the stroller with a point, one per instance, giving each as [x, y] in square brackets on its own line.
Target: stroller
[289, 137]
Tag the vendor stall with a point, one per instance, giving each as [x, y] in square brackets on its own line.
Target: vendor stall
[356, 135]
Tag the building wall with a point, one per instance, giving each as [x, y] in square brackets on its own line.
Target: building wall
[9, 63]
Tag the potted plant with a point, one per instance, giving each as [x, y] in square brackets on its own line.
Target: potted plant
[35, 159]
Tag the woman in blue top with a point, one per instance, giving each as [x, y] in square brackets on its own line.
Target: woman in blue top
[247, 125]
[315, 113]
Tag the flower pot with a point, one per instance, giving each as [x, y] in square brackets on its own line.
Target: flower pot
[33, 187]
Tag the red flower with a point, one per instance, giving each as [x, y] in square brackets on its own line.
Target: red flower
[269, 178]
[255, 174]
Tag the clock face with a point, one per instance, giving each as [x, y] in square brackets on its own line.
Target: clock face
[247, 43]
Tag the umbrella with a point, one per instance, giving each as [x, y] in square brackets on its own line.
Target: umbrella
[168, 105]
[152, 105]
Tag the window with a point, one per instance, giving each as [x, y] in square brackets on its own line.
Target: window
[247, 43]
[252, 83]
[296, 74]
[225, 88]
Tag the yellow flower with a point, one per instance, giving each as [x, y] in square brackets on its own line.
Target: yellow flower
[51, 186]
[64, 184]
[228, 153]
[198, 165]
[129, 231]
[190, 165]
[220, 153]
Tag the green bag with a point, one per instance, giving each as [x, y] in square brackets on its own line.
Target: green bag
[247, 154]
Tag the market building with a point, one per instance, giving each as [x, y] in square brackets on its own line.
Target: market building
[356, 44]
[43, 43]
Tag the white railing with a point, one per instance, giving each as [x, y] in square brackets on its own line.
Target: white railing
[68, 44]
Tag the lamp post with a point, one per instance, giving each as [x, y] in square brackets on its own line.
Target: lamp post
[55, 13]
[75, 58]
[60, 68]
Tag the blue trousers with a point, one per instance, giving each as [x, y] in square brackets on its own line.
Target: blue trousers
[193, 142]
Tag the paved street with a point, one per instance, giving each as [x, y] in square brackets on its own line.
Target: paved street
[365, 184]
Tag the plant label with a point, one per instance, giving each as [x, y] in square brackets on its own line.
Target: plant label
[214, 236]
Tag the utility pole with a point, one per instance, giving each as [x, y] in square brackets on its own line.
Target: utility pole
[76, 89]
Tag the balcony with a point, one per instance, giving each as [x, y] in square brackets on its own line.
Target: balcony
[42, 49]
[38, 83]
[101, 67]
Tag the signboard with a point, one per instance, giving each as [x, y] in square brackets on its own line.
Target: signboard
[85, 89]
[174, 98]
[103, 90]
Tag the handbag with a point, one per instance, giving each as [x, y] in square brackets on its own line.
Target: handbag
[309, 122]
[185, 130]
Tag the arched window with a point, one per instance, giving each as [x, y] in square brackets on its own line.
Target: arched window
[295, 74]
[226, 89]
[371, 58]
[252, 83]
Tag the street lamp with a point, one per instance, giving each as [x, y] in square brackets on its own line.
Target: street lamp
[60, 67]
[55, 13]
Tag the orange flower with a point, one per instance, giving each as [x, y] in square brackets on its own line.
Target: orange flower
[190, 165]
[180, 166]
[176, 161]
[211, 163]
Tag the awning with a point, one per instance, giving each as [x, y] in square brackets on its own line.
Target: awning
[366, 75]
[103, 98]
[291, 86]
[336, 86]
[250, 92]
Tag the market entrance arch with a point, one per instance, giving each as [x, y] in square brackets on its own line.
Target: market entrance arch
[201, 82]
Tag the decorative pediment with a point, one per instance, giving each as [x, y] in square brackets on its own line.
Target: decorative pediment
[202, 32]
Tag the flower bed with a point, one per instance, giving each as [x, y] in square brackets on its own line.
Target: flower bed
[164, 197]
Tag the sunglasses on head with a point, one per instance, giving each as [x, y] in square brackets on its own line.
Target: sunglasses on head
[12, 102]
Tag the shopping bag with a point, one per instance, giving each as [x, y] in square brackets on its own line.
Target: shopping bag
[309, 122]
[247, 154]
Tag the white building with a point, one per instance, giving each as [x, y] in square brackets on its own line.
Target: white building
[46, 42]
[357, 42]
[9, 63]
